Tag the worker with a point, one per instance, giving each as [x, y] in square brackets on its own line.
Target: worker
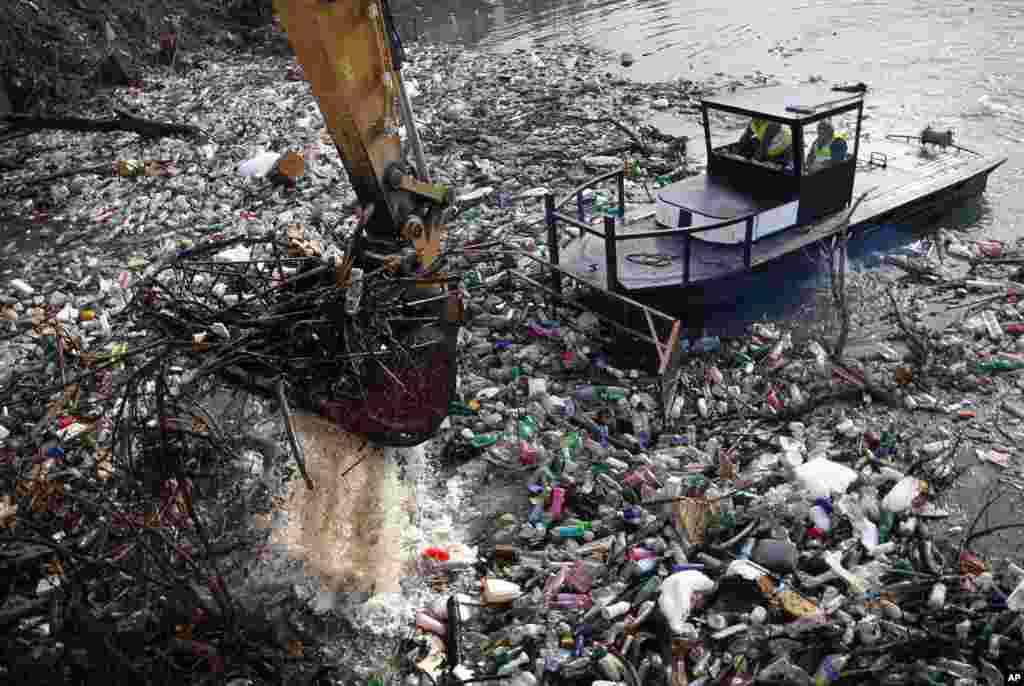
[827, 148]
[767, 141]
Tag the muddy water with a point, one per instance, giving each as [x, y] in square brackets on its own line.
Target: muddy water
[351, 531]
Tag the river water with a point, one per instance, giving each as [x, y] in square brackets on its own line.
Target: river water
[952, 64]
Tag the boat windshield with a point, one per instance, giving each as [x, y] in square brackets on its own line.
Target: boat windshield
[746, 139]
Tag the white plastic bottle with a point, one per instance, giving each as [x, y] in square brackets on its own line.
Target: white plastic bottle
[820, 518]
[1016, 599]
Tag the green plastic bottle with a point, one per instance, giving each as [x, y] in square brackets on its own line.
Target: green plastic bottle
[460, 409]
[527, 427]
[610, 395]
[484, 440]
[885, 523]
[999, 364]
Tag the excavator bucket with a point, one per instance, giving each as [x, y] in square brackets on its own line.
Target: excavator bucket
[345, 49]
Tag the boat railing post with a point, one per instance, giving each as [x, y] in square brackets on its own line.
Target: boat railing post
[747, 241]
[611, 253]
[686, 258]
[579, 206]
[622, 195]
[549, 217]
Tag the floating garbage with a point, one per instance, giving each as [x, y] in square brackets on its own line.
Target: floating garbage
[781, 521]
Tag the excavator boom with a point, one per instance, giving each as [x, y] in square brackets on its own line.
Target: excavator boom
[351, 55]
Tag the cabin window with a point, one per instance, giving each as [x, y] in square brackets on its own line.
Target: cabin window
[735, 136]
[828, 142]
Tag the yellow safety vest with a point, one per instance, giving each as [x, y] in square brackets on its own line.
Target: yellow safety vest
[823, 153]
[778, 145]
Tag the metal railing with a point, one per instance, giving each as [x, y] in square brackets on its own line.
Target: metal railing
[611, 237]
[667, 347]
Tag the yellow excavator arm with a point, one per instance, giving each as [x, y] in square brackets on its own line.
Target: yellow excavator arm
[351, 56]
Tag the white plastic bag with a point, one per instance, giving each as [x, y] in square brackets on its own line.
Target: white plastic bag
[676, 599]
[902, 495]
[260, 165]
[821, 477]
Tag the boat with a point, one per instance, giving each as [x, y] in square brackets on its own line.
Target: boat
[704, 235]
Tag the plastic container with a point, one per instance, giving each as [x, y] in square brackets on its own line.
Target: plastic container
[499, 591]
[778, 556]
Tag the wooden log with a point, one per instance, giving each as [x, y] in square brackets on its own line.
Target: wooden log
[124, 121]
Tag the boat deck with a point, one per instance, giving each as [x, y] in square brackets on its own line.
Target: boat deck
[910, 175]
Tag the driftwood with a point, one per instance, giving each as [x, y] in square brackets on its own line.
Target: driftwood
[911, 267]
[147, 128]
[609, 120]
[837, 273]
[915, 340]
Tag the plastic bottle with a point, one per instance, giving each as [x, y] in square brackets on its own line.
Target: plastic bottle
[819, 355]
[937, 596]
[831, 669]
[702, 407]
[961, 670]
[886, 520]
[1000, 364]
[557, 502]
[821, 514]
[571, 601]
[642, 427]
[1015, 601]
[614, 611]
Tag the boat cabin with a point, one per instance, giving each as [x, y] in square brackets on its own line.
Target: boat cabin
[789, 180]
